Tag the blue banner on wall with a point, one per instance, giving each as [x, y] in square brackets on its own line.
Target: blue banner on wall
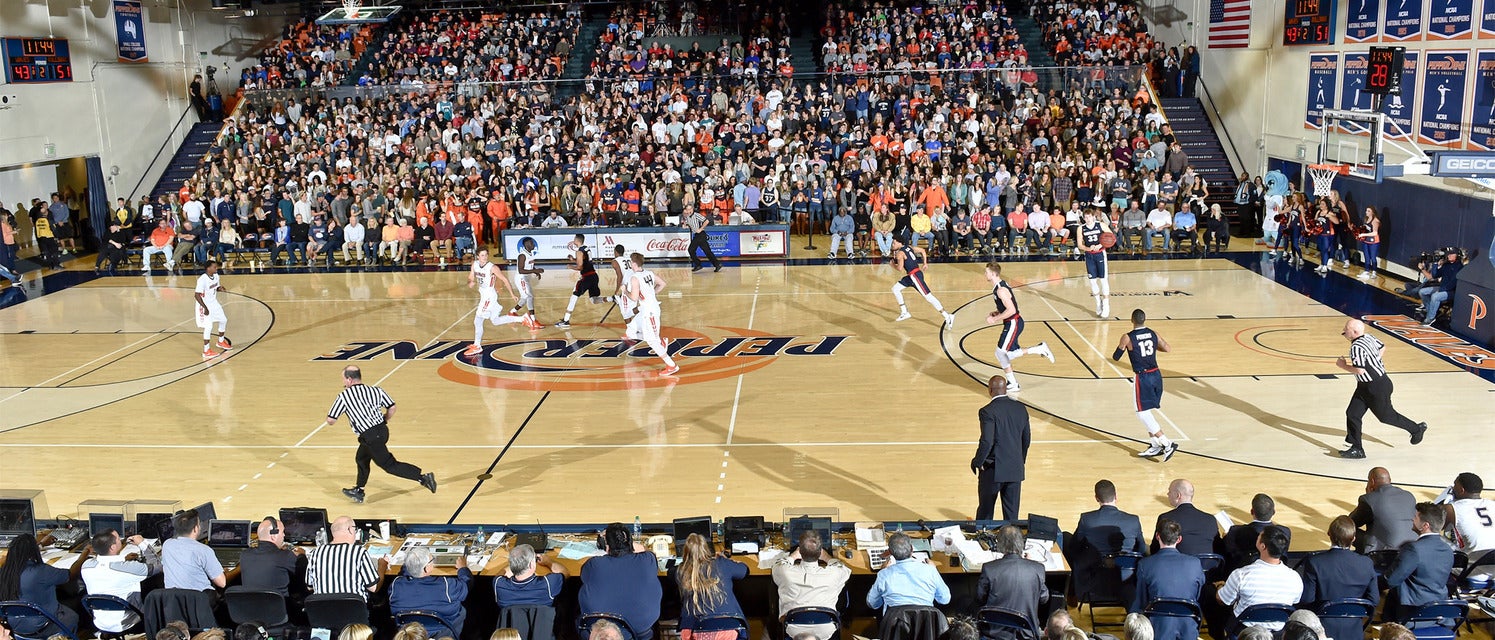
[1450, 19]
[1398, 108]
[1487, 20]
[1482, 120]
[1403, 20]
[1445, 77]
[1354, 96]
[1323, 73]
[129, 30]
[1363, 21]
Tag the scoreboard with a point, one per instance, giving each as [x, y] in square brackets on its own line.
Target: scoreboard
[1309, 22]
[30, 60]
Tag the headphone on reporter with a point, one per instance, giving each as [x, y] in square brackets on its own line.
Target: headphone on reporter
[274, 524]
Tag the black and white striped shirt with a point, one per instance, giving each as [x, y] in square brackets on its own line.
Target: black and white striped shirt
[364, 405]
[695, 221]
[1365, 353]
[340, 568]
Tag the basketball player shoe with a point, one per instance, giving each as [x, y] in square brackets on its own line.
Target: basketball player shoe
[224, 344]
[472, 350]
[949, 320]
[1151, 452]
[207, 354]
[1042, 349]
[903, 316]
[1169, 450]
[669, 371]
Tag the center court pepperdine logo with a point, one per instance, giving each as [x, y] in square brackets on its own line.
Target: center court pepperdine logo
[565, 363]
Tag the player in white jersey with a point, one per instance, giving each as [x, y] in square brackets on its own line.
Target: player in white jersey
[210, 312]
[483, 275]
[1473, 521]
[623, 269]
[643, 288]
[524, 286]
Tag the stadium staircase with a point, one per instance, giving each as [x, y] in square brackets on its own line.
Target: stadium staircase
[1199, 139]
[583, 52]
[197, 143]
[1031, 35]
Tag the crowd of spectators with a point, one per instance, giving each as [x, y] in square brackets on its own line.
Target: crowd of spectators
[309, 55]
[1107, 34]
[938, 42]
[1411, 554]
[432, 48]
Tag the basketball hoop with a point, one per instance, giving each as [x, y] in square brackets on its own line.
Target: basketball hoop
[1323, 177]
[350, 9]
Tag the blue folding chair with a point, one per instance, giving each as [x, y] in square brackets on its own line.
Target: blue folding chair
[18, 610]
[991, 619]
[113, 604]
[1173, 608]
[1345, 619]
[435, 626]
[1260, 614]
[723, 622]
[810, 616]
[585, 622]
[1438, 620]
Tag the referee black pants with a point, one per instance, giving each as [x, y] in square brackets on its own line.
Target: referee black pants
[1375, 396]
[373, 445]
[702, 242]
[987, 494]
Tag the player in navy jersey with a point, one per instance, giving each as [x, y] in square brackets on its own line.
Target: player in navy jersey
[588, 282]
[911, 260]
[1012, 326]
[1096, 262]
[1141, 345]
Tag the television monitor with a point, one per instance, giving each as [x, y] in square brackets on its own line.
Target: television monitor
[16, 517]
[686, 526]
[153, 526]
[802, 524]
[300, 525]
[101, 522]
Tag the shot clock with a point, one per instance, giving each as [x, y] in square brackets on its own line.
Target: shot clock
[32, 60]
[1383, 74]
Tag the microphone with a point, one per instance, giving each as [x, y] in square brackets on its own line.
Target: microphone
[923, 527]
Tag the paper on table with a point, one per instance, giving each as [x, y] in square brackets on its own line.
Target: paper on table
[1224, 521]
[944, 538]
[415, 542]
[495, 539]
[767, 557]
[579, 550]
[744, 547]
[972, 555]
[378, 551]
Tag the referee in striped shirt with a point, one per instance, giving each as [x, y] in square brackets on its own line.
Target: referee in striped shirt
[699, 240]
[369, 410]
[1372, 389]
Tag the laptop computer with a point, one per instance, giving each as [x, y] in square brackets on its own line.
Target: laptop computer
[686, 526]
[102, 522]
[205, 514]
[737, 529]
[16, 518]
[229, 539]
[1042, 527]
[802, 524]
[301, 525]
[154, 526]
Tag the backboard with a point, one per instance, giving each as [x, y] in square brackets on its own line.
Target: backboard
[351, 13]
[1366, 141]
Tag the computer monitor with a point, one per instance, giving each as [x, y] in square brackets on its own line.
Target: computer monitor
[154, 525]
[686, 526]
[16, 517]
[800, 525]
[205, 514]
[301, 525]
[1042, 527]
[102, 522]
[228, 533]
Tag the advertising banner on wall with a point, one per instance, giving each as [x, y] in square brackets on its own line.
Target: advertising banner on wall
[1403, 20]
[674, 242]
[1487, 20]
[1323, 73]
[1362, 21]
[1450, 19]
[129, 31]
[1399, 108]
[1445, 77]
[1354, 96]
[1482, 118]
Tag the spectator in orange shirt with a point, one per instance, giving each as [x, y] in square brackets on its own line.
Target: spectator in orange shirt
[161, 240]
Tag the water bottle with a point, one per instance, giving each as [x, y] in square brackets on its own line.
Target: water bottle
[482, 540]
[638, 528]
[321, 536]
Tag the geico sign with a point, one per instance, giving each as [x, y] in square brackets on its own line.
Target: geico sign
[1468, 164]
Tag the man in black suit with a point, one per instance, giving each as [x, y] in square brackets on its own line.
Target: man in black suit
[1012, 582]
[1239, 544]
[1199, 528]
[998, 463]
[1420, 575]
[1169, 574]
[1105, 531]
[1337, 574]
[1385, 512]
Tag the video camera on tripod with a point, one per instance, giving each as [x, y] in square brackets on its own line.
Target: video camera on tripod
[1430, 259]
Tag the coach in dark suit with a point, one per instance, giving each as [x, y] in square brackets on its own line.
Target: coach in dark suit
[1385, 512]
[1200, 532]
[1169, 574]
[1012, 582]
[1337, 574]
[1105, 531]
[1002, 452]
[1420, 575]
[1238, 546]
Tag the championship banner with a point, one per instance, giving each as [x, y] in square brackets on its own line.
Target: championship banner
[1398, 108]
[1450, 19]
[129, 31]
[1445, 78]
[1363, 21]
[1487, 20]
[1403, 20]
[1323, 73]
[1482, 119]
[1354, 96]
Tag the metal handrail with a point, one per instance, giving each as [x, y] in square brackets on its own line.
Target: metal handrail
[156, 157]
[1238, 165]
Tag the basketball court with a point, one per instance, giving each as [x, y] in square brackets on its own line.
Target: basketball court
[797, 391]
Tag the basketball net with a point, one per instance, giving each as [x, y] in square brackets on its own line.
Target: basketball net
[1323, 178]
[350, 9]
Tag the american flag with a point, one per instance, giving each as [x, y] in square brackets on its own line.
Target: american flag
[1229, 24]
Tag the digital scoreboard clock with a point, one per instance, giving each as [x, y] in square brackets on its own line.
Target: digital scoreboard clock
[29, 60]
[1308, 22]
[1383, 73]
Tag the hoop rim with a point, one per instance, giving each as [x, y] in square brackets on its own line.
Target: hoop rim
[1341, 169]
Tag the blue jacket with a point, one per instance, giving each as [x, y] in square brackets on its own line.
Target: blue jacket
[842, 223]
[728, 571]
[1338, 574]
[442, 595]
[1169, 574]
[626, 585]
[1420, 574]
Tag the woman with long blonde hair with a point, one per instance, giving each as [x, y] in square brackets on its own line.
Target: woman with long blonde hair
[705, 581]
